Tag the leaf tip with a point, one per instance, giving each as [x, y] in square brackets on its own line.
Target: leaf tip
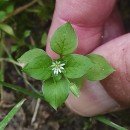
[55, 107]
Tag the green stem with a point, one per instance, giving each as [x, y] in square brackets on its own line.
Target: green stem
[110, 123]
[10, 60]
[22, 90]
[27, 83]
[9, 55]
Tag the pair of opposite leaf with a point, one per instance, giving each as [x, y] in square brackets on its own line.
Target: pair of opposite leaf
[59, 74]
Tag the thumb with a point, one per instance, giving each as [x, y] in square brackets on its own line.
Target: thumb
[112, 93]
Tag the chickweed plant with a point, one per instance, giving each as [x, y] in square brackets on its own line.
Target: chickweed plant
[60, 76]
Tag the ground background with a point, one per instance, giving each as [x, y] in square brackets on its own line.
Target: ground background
[37, 19]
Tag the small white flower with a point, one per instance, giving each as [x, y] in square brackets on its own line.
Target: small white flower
[57, 67]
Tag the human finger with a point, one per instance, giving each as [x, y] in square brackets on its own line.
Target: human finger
[87, 17]
[112, 93]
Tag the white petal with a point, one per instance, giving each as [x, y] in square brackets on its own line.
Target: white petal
[56, 62]
[59, 70]
[53, 68]
[62, 68]
[56, 71]
[52, 65]
[62, 64]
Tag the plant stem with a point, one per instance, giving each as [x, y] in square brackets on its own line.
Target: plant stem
[9, 55]
[10, 60]
[27, 83]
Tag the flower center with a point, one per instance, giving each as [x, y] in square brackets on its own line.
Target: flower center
[57, 67]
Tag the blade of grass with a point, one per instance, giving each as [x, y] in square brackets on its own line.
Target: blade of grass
[109, 123]
[1, 79]
[22, 90]
[10, 115]
[1, 67]
[23, 75]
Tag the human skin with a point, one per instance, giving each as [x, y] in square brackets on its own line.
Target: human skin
[99, 29]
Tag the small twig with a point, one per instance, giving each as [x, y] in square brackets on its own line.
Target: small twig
[36, 111]
[20, 9]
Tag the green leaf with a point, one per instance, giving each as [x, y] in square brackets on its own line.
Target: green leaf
[30, 55]
[44, 39]
[76, 65]
[100, 69]
[57, 77]
[7, 29]
[1, 73]
[10, 115]
[26, 33]
[55, 92]
[109, 123]
[74, 89]
[39, 67]
[10, 9]
[2, 15]
[78, 81]
[64, 40]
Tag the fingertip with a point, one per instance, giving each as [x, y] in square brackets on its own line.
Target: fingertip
[85, 20]
[93, 101]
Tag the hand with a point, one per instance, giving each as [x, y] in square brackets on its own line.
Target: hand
[96, 22]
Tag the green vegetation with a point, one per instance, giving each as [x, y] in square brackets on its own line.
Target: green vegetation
[23, 27]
